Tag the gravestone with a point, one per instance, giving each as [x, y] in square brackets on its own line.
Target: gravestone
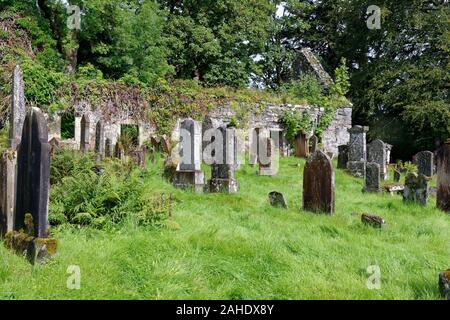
[357, 150]
[100, 139]
[33, 178]
[267, 154]
[313, 144]
[342, 156]
[18, 111]
[416, 188]
[188, 173]
[425, 162]
[254, 142]
[109, 152]
[277, 200]
[222, 168]
[85, 134]
[372, 220]
[301, 145]
[443, 177]
[377, 154]
[373, 180]
[319, 184]
[139, 156]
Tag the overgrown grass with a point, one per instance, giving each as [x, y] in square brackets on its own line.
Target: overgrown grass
[220, 246]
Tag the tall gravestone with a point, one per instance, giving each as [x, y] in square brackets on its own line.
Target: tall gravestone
[373, 177]
[301, 145]
[100, 139]
[188, 173]
[342, 156]
[357, 151]
[85, 134]
[416, 188]
[443, 177]
[425, 162]
[8, 165]
[377, 154]
[268, 155]
[109, 151]
[254, 144]
[207, 126]
[222, 169]
[319, 184]
[33, 178]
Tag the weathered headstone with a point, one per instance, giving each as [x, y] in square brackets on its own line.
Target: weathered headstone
[313, 144]
[342, 156]
[254, 145]
[377, 154]
[301, 145]
[357, 150]
[139, 156]
[188, 173]
[416, 188]
[109, 152]
[18, 111]
[222, 168]
[207, 125]
[268, 155]
[33, 179]
[319, 184]
[373, 183]
[100, 139]
[277, 200]
[85, 134]
[443, 173]
[425, 162]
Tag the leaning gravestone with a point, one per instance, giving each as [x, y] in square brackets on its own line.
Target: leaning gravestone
[33, 178]
[100, 139]
[443, 173]
[377, 154]
[85, 134]
[416, 188]
[357, 151]
[319, 184]
[373, 180]
[425, 162]
[342, 156]
[277, 200]
[222, 168]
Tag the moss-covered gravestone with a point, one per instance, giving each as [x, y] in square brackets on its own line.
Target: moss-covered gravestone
[443, 173]
[319, 184]
[425, 162]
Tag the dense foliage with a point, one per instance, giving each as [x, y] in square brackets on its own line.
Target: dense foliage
[399, 74]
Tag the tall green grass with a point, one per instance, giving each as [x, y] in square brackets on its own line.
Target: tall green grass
[219, 246]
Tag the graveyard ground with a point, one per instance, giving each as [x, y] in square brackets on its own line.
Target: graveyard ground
[220, 246]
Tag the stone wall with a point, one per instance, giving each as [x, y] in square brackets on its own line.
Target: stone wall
[267, 117]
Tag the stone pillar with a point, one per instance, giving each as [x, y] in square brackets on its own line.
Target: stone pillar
[33, 179]
[18, 112]
[254, 141]
[85, 134]
[443, 173]
[319, 184]
[7, 190]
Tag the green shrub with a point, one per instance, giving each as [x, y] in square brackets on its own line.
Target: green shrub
[294, 121]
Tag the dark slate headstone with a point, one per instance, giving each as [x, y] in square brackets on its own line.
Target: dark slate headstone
[416, 188]
[33, 178]
[277, 200]
[342, 156]
[18, 111]
[425, 162]
[100, 139]
[85, 134]
[377, 154]
[373, 183]
[443, 173]
[319, 184]
[254, 146]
